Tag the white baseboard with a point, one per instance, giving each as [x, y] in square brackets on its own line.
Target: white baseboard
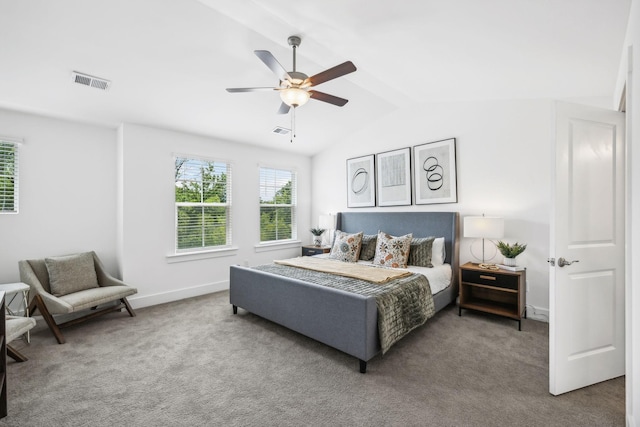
[537, 313]
[170, 296]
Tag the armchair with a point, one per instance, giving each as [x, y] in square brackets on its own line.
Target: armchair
[70, 284]
[17, 326]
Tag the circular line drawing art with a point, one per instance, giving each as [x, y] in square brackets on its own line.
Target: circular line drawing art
[360, 181]
[434, 173]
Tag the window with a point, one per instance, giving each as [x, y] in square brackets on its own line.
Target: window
[8, 176]
[203, 204]
[277, 205]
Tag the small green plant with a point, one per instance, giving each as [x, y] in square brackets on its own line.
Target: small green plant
[510, 251]
[317, 231]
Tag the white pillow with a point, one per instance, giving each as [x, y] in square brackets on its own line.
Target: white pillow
[438, 252]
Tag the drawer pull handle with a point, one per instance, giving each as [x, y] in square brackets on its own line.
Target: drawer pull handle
[487, 277]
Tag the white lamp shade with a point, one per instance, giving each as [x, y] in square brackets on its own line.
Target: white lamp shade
[486, 227]
[294, 97]
[328, 222]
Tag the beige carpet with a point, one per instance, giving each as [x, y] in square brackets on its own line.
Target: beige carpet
[193, 363]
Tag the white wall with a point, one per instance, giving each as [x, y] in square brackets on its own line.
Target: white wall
[147, 223]
[629, 75]
[503, 163]
[85, 187]
[67, 192]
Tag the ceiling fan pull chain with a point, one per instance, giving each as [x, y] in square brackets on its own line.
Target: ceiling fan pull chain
[293, 124]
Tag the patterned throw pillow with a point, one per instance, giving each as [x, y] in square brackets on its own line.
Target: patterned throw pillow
[392, 251]
[421, 250]
[368, 250]
[346, 247]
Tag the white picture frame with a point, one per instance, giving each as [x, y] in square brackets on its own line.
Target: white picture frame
[435, 172]
[393, 177]
[361, 189]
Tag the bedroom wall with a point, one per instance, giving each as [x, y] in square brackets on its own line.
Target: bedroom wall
[67, 193]
[86, 187]
[503, 168]
[146, 227]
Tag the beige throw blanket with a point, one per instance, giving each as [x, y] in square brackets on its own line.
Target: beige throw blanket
[347, 269]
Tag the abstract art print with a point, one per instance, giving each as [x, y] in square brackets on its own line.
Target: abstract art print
[361, 190]
[435, 172]
[394, 177]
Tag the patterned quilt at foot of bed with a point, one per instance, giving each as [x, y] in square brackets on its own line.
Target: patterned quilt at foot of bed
[403, 304]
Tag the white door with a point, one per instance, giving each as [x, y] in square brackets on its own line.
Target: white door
[586, 298]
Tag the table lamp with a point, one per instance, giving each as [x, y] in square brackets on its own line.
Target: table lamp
[483, 227]
[328, 222]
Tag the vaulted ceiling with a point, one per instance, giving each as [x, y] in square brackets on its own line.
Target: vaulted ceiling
[170, 61]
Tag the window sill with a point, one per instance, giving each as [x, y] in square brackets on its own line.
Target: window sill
[194, 256]
[276, 246]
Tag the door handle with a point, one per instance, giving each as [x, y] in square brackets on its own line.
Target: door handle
[562, 262]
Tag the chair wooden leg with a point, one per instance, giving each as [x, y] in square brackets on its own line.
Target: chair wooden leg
[49, 319]
[128, 307]
[15, 354]
[33, 305]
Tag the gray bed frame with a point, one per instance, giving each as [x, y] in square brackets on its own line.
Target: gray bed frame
[343, 320]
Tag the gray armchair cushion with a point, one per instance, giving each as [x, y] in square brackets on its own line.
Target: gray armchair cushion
[17, 326]
[72, 273]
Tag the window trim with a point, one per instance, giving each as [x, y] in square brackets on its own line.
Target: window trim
[17, 143]
[202, 252]
[280, 243]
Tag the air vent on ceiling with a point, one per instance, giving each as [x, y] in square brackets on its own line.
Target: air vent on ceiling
[87, 80]
[280, 130]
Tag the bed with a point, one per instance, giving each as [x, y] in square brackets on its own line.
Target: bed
[340, 319]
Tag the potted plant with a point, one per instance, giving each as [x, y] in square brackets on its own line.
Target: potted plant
[317, 235]
[510, 252]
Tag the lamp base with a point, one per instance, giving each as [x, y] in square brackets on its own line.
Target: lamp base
[488, 266]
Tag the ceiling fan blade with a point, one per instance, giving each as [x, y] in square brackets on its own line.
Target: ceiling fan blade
[284, 108]
[325, 97]
[332, 73]
[249, 89]
[273, 64]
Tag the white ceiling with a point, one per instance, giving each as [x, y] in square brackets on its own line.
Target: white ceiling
[170, 60]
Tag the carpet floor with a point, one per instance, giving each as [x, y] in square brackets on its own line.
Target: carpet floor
[193, 363]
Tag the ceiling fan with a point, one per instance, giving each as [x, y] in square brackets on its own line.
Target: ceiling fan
[294, 86]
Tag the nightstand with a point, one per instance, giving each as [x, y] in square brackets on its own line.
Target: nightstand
[498, 292]
[315, 250]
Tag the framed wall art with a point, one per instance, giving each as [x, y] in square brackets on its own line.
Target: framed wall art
[393, 173]
[361, 189]
[435, 172]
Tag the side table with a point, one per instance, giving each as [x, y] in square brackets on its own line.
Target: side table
[12, 290]
[315, 250]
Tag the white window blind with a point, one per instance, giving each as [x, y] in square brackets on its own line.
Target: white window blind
[277, 204]
[8, 177]
[203, 204]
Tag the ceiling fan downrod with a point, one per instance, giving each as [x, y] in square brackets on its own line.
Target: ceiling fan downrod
[294, 42]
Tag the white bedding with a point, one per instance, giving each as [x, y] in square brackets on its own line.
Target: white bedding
[439, 276]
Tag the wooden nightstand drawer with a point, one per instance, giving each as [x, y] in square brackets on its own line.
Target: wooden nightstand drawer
[315, 250]
[490, 279]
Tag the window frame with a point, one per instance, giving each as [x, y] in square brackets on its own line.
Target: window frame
[293, 206]
[15, 176]
[228, 205]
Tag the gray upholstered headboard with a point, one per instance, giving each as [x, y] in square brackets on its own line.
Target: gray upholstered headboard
[421, 224]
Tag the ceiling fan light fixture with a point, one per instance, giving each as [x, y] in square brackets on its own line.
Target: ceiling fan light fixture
[294, 97]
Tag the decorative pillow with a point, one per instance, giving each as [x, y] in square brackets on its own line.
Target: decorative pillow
[420, 253]
[368, 250]
[392, 251]
[72, 273]
[438, 253]
[346, 247]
